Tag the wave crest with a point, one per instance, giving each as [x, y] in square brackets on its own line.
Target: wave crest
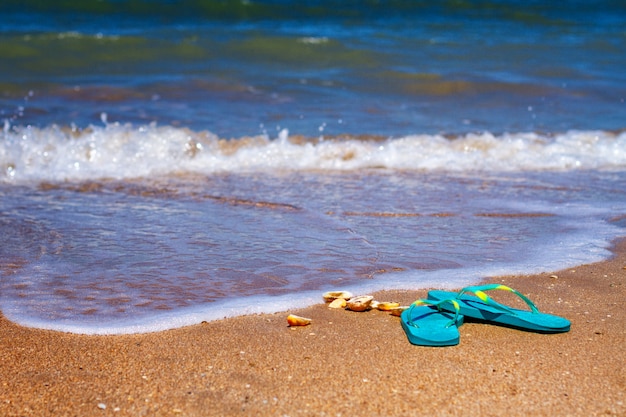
[125, 151]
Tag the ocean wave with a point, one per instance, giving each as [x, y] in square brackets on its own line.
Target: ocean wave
[122, 151]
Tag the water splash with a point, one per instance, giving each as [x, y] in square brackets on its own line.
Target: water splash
[126, 151]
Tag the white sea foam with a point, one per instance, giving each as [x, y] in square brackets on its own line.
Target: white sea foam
[126, 151]
[260, 304]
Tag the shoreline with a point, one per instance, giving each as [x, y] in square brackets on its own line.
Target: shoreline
[342, 364]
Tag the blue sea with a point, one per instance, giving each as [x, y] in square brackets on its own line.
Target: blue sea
[164, 163]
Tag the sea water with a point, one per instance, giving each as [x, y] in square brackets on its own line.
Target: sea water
[163, 165]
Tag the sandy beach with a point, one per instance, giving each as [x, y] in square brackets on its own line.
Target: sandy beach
[344, 364]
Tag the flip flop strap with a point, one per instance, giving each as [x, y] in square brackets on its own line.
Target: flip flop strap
[437, 304]
[478, 290]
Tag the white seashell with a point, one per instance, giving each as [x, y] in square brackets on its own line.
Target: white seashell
[360, 303]
[374, 304]
[294, 320]
[387, 305]
[333, 295]
[337, 303]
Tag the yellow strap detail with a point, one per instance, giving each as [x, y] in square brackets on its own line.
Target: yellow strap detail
[481, 295]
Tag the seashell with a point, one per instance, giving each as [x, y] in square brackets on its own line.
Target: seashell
[337, 303]
[360, 303]
[387, 305]
[333, 295]
[398, 310]
[374, 304]
[294, 320]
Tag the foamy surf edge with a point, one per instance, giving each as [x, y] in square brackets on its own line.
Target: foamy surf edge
[270, 304]
[122, 151]
[219, 310]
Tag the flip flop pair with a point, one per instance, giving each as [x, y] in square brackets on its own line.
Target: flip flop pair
[439, 317]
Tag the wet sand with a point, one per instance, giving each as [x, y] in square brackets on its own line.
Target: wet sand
[345, 363]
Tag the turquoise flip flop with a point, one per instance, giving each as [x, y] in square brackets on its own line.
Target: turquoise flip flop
[425, 324]
[481, 306]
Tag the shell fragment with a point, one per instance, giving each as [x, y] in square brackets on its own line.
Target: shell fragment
[360, 303]
[337, 303]
[333, 295]
[294, 320]
[398, 310]
[387, 305]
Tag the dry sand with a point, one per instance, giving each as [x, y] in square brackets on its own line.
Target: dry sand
[344, 364]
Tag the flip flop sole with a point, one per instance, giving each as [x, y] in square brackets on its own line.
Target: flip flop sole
[427, 326]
